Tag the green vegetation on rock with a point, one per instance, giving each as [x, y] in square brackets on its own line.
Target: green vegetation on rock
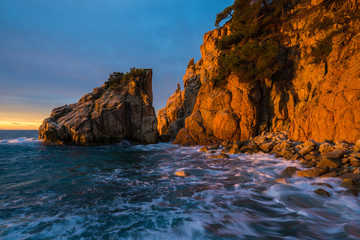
[252, 50]
[115, 82]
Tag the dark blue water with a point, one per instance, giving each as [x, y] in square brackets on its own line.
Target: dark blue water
[131, 192]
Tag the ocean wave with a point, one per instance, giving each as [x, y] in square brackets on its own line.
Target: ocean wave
[19, 140]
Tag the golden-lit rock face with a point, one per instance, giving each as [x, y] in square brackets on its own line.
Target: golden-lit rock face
[320, 101]
[106, 115]
[180, 105]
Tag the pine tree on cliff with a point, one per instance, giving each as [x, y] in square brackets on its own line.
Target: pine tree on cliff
[252, 50]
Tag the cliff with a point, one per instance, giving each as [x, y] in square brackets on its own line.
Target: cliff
[302, 76]
[119, 109]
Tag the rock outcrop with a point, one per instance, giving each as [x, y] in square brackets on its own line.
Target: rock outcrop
[121, 109]
[315, 99]
[180, 105]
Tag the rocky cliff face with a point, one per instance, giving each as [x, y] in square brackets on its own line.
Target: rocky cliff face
[181, 104]
[120, 109]
[317, 99]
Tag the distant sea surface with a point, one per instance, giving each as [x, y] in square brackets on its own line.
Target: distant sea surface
[131, 192]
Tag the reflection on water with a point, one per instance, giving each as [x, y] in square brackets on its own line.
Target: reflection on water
[131, 192]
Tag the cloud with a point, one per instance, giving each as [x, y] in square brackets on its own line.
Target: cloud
[16, 123]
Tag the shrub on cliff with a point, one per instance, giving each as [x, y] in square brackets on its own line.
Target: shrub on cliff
[251, 61]
[252, 50]
[116, 82]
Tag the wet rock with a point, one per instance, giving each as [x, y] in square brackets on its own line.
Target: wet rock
[327, 163]
[352, 186]
[288, 172]
[204, 149]
[286, 153]
[234, 151]
[267, 147]
[184, 138]
[182, 174]
[350, 176]
[322, 192]
[336, 154]
[322, 184]
[224, 150]
[329, 175]
[282, 180]
[311, 163]
[313, 172]
[219, 156]
[214, 147]
[306, 149]
[295, 157]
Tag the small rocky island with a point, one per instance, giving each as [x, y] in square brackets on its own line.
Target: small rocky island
[121, 109]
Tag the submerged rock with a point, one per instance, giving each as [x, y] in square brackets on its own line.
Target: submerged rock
[222, 155]
[288, 172]
[322, 192]
[120, 109]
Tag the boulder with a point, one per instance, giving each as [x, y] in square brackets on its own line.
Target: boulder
[325, 147]
[121, 109]
[329, 175]
[182, 174]
[282, 180]
[322, 184]
[267, 147]
[313, 172]
[234, 151]
[336, 154]
[354, 161]
[309, 143]
[204, 149]
[306, 149]
[327, 163]
[288, 172]
[224, 150]
[322, 192]
[350, 176]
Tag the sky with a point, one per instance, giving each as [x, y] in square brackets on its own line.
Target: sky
[54, 51]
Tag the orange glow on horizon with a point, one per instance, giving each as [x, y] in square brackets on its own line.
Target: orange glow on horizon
[20, 125]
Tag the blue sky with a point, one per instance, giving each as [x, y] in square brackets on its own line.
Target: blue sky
[54, 51]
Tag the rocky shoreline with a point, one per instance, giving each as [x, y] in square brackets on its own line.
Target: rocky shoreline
[325, 160]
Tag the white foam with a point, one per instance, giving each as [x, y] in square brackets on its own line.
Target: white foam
[20, 140]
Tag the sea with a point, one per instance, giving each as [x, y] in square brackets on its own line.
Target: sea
[128, 191]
